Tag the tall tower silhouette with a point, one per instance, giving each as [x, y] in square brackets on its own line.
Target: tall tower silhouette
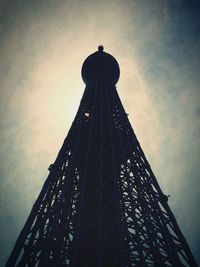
[101, 205]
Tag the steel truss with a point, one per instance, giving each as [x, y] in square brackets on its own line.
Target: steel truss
[101, 204]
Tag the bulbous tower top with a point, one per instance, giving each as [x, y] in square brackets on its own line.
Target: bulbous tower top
[100, 63]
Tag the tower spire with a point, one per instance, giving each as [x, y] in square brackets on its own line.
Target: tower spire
[100, 48]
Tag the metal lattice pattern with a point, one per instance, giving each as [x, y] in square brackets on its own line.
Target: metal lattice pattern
[101, 204]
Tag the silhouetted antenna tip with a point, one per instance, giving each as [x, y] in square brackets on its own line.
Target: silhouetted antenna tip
[100, 48]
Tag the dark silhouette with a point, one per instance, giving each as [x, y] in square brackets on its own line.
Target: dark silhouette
[101, 205]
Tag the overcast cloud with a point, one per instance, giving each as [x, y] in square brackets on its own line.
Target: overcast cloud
[42, 47]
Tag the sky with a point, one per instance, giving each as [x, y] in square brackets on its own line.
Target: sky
[42, 47]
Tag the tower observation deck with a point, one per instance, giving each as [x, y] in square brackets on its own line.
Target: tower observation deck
[101, 205]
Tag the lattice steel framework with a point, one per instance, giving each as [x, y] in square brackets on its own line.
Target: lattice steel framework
[101, 205]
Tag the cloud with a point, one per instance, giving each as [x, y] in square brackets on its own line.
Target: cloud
[42, 49]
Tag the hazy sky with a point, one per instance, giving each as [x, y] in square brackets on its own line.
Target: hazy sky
[42, 47]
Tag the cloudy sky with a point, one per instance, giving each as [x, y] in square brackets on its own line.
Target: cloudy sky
[42, 47]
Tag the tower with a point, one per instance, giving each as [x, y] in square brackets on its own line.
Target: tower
[101, 205]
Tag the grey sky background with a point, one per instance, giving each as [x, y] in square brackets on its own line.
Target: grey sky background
[42, 47]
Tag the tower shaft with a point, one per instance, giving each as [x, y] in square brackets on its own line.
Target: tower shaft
[101, 204]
